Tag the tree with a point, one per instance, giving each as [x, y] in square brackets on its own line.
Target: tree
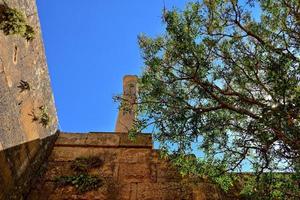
[229, 80]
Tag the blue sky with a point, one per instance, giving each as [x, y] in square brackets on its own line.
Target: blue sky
[90, 45]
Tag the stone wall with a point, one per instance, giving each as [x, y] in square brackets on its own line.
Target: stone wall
[21, 165]
[24, 140]
[131, 171]
[24, 61]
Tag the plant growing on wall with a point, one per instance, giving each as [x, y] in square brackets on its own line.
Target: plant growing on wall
[29, 33]
[13, 22]
[42, 116]
[81, 180]
[33, 115]
[23, 85]
[83, 164]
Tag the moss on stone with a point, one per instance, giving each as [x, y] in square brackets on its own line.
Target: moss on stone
[13, 22]
[83, 164]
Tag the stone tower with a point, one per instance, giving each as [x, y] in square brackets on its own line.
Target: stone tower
[126, 118]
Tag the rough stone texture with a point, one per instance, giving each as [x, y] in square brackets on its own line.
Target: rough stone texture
[126, 118]
[22, 60]
[130, 172]
[103, 139]
[20, 165]
[24, 143]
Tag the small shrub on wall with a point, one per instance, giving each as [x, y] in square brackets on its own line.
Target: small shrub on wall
[13, 22]
[81, 180]
[83, 164]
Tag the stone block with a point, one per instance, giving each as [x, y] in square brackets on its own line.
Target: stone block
[88, 139]
[107, 154]
[142, 140]
[46, 192]
[108, 170]
[61, 153]
[155, 156]
[103, 139]
[127, 191]
[71, 139]
[164, 191]
[56, 169]
[207, 191]
[134, 173]
[134, 155]
[167, 173]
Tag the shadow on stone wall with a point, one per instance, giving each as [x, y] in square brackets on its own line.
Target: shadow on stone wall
[21, 165]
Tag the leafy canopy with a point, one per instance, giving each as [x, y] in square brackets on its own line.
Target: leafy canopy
[226, 75]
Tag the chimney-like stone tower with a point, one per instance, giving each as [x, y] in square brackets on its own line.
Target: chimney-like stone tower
[127, 115]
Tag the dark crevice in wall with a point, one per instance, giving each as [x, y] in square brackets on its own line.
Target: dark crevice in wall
[15, 55]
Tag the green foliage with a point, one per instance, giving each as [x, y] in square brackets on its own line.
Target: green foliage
[132, 135]
[42, 116]
[82, 182]
[271, 186]
[83, 164]
[209, 170]
[12, 22]
[133, 132]
[29, 34]
[227, 80]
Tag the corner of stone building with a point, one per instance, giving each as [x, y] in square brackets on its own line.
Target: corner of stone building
[25, 96]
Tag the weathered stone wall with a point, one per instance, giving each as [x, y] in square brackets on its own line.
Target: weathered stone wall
[131, 171]
[24, 61]
[24, 140]
[21, 165]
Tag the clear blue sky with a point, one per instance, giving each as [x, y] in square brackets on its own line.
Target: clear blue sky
[90, 45]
